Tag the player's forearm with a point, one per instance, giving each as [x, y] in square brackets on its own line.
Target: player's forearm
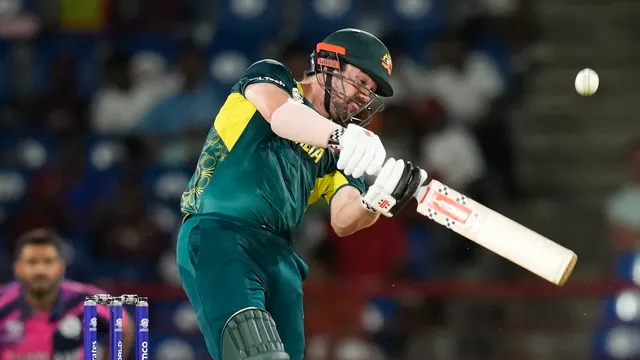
[351, 217]
[297, 122]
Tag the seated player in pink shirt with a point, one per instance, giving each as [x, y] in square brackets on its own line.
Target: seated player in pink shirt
[41, 313]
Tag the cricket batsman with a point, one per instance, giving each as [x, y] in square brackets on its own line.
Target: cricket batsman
[276, 146]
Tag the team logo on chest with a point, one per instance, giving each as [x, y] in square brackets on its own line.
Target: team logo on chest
[12, 332]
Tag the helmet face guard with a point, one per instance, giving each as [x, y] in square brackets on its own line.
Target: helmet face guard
[327, 63]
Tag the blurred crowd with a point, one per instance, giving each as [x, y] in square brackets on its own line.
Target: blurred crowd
[104, 105]
[109, 103]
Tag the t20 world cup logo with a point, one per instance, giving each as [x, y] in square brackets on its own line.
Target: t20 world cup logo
[118, 327]
[144, 325]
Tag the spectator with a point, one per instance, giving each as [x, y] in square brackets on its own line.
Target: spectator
[18, 20]
[136, 156]
[111, 112]
[190, 112]
[151, 81]
[472, 90]
[451, 154]
[450, 150]
[140, 16]
[404, 67]
[60, 109]
[431, 337]
[466, 82]
[507, 32]
[123, 228]
[623, 208]
[57, 197]
[131, 88]
[523, 33]
[400, 137]
[373, 254]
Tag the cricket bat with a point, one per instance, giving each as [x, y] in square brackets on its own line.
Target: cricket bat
[496, 232]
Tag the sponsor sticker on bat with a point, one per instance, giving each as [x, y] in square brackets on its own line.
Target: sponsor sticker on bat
[449, 208]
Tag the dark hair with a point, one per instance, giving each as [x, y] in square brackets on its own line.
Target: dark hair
[38, 237]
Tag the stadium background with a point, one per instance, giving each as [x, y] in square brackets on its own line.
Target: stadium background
[104, 106]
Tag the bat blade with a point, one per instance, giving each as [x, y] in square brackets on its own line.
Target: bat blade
[496, 232]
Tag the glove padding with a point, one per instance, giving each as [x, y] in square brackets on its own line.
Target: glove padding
[394, 187]
[360, 151]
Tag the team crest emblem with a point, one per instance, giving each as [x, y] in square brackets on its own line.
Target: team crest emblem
[70, 327]
[387, 63]
[12, 332]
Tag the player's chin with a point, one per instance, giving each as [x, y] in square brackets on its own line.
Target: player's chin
[336, 117]
[343, 120]
[40, 288]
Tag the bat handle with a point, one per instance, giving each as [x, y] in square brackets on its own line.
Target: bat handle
[421, 192]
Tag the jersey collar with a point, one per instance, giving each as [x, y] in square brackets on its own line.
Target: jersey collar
[57, 311]
[304, 99]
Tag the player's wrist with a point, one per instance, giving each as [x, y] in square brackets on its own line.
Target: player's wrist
[367, 207]
[334, 137]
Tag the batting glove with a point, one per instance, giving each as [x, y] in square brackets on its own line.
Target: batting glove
[394, 187]
[360, 151]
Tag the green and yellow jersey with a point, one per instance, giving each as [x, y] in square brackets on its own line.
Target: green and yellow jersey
[247, 171]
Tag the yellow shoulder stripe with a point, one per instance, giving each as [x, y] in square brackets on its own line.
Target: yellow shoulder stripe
[233, 118]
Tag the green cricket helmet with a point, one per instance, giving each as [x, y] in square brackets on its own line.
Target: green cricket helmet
[364, 51]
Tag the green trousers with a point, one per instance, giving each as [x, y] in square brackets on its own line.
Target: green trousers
[226, 266]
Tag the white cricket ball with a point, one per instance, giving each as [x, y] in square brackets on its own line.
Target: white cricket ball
[587, 82]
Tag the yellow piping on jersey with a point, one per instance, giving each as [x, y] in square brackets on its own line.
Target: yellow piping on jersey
[233, 118]
[299, 86]
[327, 186]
